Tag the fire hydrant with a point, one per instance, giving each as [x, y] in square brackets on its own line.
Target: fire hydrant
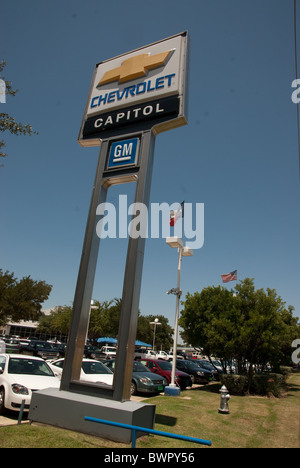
[224, 398]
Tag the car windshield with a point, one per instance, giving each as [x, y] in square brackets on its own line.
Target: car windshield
[205, 365]
[139, 367]
[95, 367]
[217, 363]
[165, 365]
[29, 367]
[192, 365]
[42, 345]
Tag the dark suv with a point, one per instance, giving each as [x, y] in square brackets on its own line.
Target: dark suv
[198, 374]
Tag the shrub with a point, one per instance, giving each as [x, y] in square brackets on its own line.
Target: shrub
[285, 370]
[262, 384]
[235, 384]
[268, 384]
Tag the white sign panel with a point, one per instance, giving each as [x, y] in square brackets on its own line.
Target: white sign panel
[122, 87]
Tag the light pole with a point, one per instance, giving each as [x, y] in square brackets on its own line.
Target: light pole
[155, 323]
[176, 242]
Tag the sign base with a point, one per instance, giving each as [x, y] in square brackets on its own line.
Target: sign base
[172, 391]
[67, 410]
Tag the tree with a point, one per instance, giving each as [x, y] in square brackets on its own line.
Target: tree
[21, 300]
[209, 321]
[163, 334]
[58, 322]
[104, 321]
[6, 121]
[253, 327]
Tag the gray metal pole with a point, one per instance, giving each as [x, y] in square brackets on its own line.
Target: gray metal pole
[85, 281]
[176, 319]
[132, 280]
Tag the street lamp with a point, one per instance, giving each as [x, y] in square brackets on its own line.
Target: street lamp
[155, 323]
[176, 242]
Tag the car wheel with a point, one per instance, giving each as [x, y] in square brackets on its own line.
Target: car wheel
[133, 388]
[2, 398]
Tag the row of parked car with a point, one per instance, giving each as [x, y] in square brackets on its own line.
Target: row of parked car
[20, 375]
[51, 350]
[29, 365]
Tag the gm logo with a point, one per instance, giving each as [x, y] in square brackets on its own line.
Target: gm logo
[123, 153]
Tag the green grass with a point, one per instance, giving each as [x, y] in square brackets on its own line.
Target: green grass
[253, 422]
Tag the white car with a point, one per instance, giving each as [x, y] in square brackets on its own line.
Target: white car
[163, 355]
[110, 351]
[144, 354]
[19, 377]
[91, 371]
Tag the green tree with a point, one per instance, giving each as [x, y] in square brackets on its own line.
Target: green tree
[253, 327]
[104, 320]
[21, 299]
[6, 121]
[58, 322]
[209, 321]
[163, 334]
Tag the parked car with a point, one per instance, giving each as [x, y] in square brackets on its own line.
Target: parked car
[91, 371]
[110, 351]
[144, 353]
[179, 355]
[93, 352]
[215, 370]
[41, 349]
[164, 368]
[2, 346]
[143, 380]
[168, 356]
[19, 377]
[198, 374]
[60, 349]
[11, 345]
[162, 355]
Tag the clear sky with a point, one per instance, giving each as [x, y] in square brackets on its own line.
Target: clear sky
[238, 154]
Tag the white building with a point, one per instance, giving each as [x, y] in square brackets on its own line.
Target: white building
[23, 328]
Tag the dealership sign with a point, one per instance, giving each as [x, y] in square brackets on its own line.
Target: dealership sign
[140, 90]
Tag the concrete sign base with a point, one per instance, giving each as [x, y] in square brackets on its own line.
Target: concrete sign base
[67, 410]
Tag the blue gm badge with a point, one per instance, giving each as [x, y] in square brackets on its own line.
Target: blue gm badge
[123, 154]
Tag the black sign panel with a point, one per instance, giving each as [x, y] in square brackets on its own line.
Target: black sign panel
[146, 114]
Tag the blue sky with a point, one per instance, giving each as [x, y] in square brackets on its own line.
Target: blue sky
[237, 155]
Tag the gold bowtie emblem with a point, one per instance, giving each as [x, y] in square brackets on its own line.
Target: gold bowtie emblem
[135, 67]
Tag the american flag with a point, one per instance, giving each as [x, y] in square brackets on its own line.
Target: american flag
[176, 214]
[229, 277]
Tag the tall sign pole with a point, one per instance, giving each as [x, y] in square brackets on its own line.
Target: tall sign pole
[132, 98]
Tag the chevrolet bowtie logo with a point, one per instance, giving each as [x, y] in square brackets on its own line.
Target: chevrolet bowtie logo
[135, 67]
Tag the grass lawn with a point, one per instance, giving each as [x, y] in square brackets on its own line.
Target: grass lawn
[253, 422]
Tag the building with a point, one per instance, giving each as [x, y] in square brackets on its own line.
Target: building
[22, 329]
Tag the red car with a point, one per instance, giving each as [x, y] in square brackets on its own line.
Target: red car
[164, 368]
